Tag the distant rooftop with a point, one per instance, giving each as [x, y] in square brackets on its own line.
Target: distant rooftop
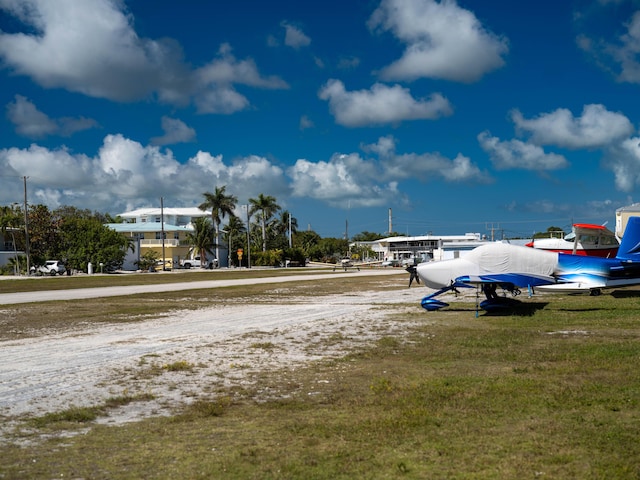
[147, 227]
[629, 208]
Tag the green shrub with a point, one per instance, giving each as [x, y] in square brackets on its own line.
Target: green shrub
[270, 258]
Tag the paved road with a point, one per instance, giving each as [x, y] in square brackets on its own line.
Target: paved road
[82, 293]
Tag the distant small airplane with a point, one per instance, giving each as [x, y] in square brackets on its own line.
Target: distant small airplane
[584, 239]
[512, 267]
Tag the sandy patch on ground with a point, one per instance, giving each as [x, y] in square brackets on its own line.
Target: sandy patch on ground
[226, 345]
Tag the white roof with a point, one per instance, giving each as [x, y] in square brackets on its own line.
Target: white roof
[183, 212]
[445, 238]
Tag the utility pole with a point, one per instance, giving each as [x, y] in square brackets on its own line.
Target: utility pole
[26, 226]
[493, 229]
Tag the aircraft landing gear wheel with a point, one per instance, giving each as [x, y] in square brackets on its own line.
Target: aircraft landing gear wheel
[595, 292]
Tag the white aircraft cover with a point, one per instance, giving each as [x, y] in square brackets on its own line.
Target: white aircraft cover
[506, 258]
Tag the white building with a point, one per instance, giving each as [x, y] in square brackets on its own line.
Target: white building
[622, 216]
[399, 250]
[146, 226]
[8, 249]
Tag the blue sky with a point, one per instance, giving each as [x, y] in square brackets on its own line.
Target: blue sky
[458, 116]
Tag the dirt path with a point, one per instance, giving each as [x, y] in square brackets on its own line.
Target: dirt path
[225, 345]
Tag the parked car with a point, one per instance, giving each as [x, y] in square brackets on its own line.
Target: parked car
[195, 262]
[50, 267]
[168, 265]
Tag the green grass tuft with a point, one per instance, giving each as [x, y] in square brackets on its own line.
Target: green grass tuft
[71, 415]
[179, 366]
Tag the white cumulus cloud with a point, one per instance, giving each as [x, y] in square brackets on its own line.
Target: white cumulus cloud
[424, 166]
[624, 161]
[380, 105]
[175, 131]
[595, 128]
[125, 173]
[294, 37]
[614, 52]
[377, 181]
[91, 47]
[30, 122]
[442, 41]
[339, 182]
[518, 154]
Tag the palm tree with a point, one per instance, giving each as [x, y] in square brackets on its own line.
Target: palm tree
[201, 238]
[10, 219]
[221, 205]
[287, 225]
[265, 205]
[235, 234]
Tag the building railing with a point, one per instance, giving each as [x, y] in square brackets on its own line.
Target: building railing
[169, 242]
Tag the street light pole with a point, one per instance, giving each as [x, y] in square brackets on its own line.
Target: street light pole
[162, 230]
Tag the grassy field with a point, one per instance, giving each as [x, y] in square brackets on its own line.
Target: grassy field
[552, 391]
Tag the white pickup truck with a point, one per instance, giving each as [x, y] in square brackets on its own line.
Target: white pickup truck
[195, 262]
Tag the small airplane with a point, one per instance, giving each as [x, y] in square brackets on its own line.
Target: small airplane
[584, 239]
[512, 267]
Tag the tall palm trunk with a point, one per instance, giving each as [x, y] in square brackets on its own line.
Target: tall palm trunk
[217, 228]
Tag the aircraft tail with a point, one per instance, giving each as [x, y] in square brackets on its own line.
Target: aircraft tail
[630, 245]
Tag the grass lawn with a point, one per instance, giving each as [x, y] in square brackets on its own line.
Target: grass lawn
[550, 392]
[10, 284]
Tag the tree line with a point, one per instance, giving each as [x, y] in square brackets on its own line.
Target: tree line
[273, 235]
[72, 235]
[79, 236]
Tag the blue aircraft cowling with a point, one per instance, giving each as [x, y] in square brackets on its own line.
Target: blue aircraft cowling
[432, 304]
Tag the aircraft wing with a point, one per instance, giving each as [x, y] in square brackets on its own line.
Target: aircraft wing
[511, 278]
[569, 287]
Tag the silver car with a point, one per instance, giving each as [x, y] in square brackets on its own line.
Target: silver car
[50, 267]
